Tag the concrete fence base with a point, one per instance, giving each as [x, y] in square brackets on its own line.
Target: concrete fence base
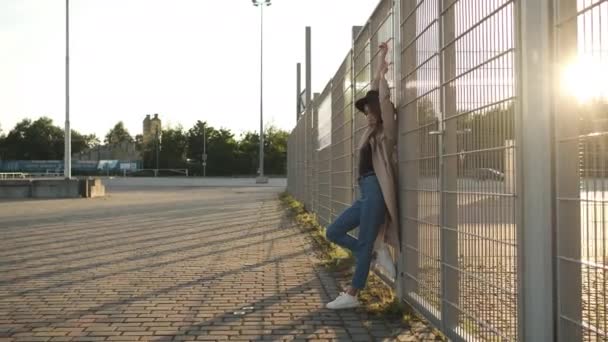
[51, 188]
[92, 187]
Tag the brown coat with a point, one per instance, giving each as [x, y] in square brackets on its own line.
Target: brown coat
[383, 142]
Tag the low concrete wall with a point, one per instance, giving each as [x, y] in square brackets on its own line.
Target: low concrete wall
[16, 188]
[51, 188]
[64, 188]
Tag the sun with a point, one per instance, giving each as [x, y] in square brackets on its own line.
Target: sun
[586, 79]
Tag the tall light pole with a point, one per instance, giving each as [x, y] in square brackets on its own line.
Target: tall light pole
[157, 148]
[261, 4]
[204, 157]
[67, 167]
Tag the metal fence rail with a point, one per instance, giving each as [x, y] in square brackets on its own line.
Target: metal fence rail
[470, 97]
[13, 175]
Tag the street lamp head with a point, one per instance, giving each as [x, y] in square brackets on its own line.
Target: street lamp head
[261, 2]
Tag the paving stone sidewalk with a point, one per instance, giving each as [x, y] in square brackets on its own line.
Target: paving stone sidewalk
[214, 264]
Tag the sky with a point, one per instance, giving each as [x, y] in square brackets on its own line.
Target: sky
[186, 60]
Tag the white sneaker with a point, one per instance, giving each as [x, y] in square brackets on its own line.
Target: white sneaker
[344, 301]
[385, 263]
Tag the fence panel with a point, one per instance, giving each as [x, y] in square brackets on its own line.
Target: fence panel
[362, 78]
[582, 170]
[341, 142]
[290, 163]
[300, 160]
[314, 155]
[324, 109]
[294, 162]
[479, 232]
[309, 146]
[382, 30]
[458, 147]
[457, 165]
[419, 156]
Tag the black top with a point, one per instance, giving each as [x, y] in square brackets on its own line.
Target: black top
[365, 160]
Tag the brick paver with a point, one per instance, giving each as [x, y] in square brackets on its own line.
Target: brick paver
[207, 264]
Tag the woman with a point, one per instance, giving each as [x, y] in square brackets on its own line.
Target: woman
[375, 213]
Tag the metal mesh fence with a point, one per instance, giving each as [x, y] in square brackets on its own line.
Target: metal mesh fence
[341, 142]
[314, 157]
[478, 185]
[309, 161]
[324, 112]
[419, 184]
[458, 187]
[582, 170]
[362, 77]
[300, 167]
[291, 158]
[460, 179]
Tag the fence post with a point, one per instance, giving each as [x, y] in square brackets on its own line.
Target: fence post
[569, 276]
[298, 89]
[450, 275]
[353, 110]
[315, 154]
[408, 150]
[399, 281]
[534, 148]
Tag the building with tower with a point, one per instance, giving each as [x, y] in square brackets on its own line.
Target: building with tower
[152, 128]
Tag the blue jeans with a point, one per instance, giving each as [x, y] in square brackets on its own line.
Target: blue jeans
[368, 214]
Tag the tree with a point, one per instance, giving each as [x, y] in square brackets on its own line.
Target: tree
[34, 140]
[275, 151]
[41, 140]
[118, 134]
[139, 142]
[173, 148]
[195, 140]
[2, 148]
[221, 147]
[82, 142]
[91, 140]
[247, 156]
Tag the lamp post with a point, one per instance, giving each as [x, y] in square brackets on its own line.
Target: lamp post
[261, 4]
[157, 148]
[67, 167]
[204, 157]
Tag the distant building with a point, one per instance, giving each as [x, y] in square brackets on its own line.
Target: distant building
[121, 151]
[152, 128]
[124, 150]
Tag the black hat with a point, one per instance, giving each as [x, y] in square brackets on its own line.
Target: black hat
[372, 99]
